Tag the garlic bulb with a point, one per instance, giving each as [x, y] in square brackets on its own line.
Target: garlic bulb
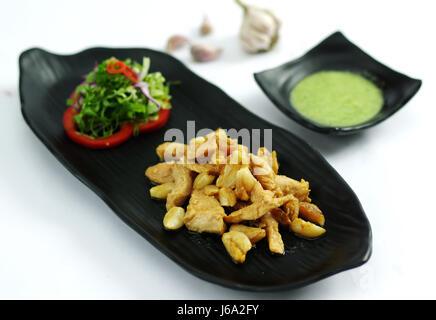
[259, 30]
[204, 53]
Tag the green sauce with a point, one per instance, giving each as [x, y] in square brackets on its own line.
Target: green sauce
[337, 98]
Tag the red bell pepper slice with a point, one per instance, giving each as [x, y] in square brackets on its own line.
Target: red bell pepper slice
[125, 132]
[152, 125]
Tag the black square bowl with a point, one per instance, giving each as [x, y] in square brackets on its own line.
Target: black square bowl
[336, 52]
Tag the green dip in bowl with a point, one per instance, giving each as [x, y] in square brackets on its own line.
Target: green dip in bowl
[337, 98]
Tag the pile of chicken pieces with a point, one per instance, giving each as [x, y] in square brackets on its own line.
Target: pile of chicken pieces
[218, 175]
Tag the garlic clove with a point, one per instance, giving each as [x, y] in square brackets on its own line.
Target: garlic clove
[206, 27]
[176, 42]
[204, 53]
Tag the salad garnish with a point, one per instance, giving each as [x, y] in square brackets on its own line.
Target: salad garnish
[115, 94]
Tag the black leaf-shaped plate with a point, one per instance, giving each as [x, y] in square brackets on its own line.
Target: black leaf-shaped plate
[117, 175]
[336, 52]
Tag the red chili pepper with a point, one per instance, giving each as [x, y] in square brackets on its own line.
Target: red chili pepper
[126, 130]
[120, 67]
[116, 67]
[130, 74]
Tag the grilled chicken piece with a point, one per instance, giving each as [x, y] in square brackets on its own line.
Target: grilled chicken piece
[265, 174]
[257, 209]
[270, 157]
[311, 212]
[262, 200]
[193, 145]
[281, 217]
[222, 140]
[275, 241]
[160, 173]
[237, 160]
[224, 147]
[209, 168]
[258, 194]
[254, 234]
[240, 205]
[239, 155]
[275, 162]
[220, 146]
[292, 208]
[227, 178]
[171, 151]
[300, 189]
[212, 148]
[204, 214]
[182, 187]
[232, 145]
[206, 150]
[251, 212]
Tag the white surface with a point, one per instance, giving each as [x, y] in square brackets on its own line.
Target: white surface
[76, 247]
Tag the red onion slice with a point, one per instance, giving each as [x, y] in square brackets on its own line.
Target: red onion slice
[143, 86]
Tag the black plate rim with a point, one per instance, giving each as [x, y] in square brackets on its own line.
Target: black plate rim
[194, 271]
[417, 83]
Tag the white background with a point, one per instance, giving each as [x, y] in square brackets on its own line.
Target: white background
[58, 240]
